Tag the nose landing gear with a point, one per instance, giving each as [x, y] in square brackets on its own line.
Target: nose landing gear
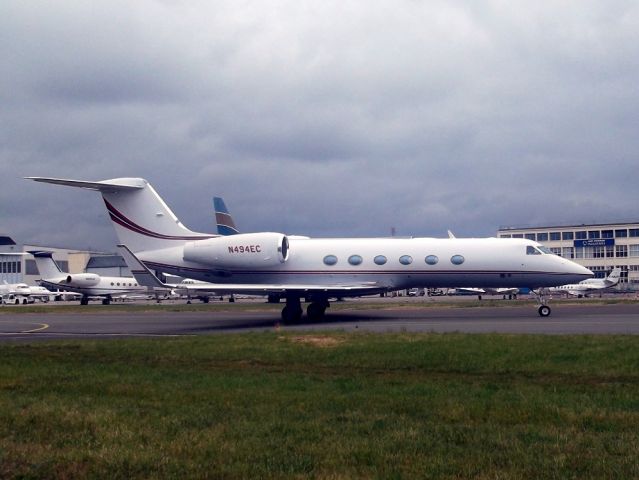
[543, 310]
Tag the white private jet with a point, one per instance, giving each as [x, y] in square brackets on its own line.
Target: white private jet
[585, 287]
[485, 291]
[318, 269]
[18, 293]
[87, 284]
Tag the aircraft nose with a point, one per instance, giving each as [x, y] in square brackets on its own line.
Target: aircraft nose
[580, 271]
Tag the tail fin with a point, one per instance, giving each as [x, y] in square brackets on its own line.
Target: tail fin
[614, 277]
[141, 219]
[224, 220]
[47, 266]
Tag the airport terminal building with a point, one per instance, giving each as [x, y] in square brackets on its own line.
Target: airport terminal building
[599, 247]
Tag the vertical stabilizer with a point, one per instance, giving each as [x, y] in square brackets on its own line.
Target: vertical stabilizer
[47, 267]
[141, 219]
[223, 219]
[614, 277]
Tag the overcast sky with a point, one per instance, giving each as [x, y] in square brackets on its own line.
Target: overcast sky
[332, 118]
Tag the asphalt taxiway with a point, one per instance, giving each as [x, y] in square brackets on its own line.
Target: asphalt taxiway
[522, 319]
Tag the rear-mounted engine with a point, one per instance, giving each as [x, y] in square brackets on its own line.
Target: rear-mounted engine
[82, 280]
[248, 250]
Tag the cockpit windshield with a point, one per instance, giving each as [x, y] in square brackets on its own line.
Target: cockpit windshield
[530, 250]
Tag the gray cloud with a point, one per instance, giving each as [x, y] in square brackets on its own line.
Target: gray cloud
[339, 118]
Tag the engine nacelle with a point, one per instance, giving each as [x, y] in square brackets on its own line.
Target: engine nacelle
[82, 280]
[247, 250]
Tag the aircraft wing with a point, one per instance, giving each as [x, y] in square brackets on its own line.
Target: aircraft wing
[145, 277]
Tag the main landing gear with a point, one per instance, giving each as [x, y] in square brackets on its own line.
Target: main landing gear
[292, 312]
[544, 309]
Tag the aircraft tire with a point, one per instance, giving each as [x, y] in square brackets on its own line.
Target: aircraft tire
[291, 314]
[543, 311]
[315, 311]
[84, 301]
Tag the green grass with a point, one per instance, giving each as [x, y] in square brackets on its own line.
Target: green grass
[269, 405]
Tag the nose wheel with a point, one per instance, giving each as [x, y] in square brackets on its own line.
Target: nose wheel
[543, 310]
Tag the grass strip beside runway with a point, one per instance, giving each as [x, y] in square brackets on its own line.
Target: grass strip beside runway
[270, 405]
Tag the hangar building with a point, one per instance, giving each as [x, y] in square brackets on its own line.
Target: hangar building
[599, 247]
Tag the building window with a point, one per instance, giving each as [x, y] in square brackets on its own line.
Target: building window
[518, 235]
[542, 237]
[610, 251]
[555, 236]
[623, 233]
[330, 260]
[505, 235]
[633, 250]
[30, 267]
[621, 251]
[567, 235]
[606, 234]
[633, 232]
[355, 260]
[556, 251]
[530, 236]
[579, 252]
[405, 259]
[457, 259]
[380, 260]
[431, 259]
[568, 252]
[581, 235]
[594, 234]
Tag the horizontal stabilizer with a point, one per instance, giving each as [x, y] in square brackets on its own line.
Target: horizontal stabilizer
[114, 184]
[141, 272]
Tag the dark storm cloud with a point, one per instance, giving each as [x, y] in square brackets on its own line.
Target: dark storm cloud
[331, 118]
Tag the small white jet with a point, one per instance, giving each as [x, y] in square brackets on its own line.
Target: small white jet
[486, 291]
[590, 285]
[18, 293]
[319, 269]
[86, 284]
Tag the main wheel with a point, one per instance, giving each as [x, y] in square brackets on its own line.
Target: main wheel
[315, 311]
[544, 311]
[291, 314]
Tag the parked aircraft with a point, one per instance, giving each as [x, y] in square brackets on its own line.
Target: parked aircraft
[485, 291]
[87, 284]
[319, 269]
[590, 285]
[22, 293]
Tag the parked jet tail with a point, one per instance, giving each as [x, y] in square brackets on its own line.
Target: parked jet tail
[47, 266]
[141, 219]
[223, 219]
[614, 277]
